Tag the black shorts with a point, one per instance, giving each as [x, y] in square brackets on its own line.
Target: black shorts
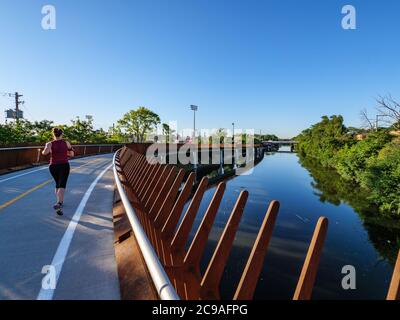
[60, 173]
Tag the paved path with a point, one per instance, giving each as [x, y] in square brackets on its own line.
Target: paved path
[78, 246]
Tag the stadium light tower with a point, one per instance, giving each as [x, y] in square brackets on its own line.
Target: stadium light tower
[194, 109]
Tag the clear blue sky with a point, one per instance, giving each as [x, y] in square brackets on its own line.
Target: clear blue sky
[272, 65]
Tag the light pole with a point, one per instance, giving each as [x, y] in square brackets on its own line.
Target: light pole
[233, 146]
[233, 133]
[194, 109]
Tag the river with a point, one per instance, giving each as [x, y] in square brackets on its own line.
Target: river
[357, 236]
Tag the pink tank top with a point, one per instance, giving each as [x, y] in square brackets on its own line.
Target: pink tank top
[59, 152]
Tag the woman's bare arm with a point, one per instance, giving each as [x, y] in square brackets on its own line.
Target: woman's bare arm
[47, 149]
[71, 152]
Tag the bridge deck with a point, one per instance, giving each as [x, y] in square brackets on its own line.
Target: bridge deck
[79, 244]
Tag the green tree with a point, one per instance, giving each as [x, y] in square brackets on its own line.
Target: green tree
[324, 139]
[351, 161]
[139, 123]
[382, 177]
[42, 130]
[81, 131]
[372, 164]
[117, 135]
[7, 135]
[269, 137]
[167, 132]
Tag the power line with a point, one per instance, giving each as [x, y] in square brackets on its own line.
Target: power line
[17, 114]
[29, 113]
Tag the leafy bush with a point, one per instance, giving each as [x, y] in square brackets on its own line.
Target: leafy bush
[27, 133]
[351, 162]
[373, 163]
[382, 177]
[324, 139]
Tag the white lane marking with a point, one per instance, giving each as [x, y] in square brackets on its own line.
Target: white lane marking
[23, 174]
[63, 247]
[43, 168]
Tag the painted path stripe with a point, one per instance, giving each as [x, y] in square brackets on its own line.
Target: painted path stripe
[23, 174]
[36, 170]
[23, 195]
[63, 247]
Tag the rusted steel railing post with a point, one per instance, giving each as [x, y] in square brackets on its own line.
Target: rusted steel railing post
[212, 277]
[394, 290]
[39, 151]
[139, 171]
[128, 166]
[134, 171]
[158, 198]
[125, 162]
[251, 273]
[172, 221]
[182, 235]
[162, 194]
[152, 183]
[160, 182]
[131, 164]
[142, 178]
[165, 209]
[169, 200]
[145, 180]
[309, 272]
[195, 252]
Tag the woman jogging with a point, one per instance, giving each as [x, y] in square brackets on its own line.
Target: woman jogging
[59, 150]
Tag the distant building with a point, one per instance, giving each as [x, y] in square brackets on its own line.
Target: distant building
[361, 136]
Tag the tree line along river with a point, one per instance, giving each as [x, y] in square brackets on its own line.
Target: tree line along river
[357, 235]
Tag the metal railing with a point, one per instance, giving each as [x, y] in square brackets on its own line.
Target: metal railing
[155, 195]
[161, 281]
[26, 156]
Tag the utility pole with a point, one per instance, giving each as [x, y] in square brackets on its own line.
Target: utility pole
[17, 103]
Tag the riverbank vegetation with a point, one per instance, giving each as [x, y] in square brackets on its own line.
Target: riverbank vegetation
[370, 160]
[331, 187]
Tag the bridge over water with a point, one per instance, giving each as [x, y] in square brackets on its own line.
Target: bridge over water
[282, 142]
[275, 145]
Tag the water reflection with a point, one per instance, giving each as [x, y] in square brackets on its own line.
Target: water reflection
[384, 232]
[357, 236]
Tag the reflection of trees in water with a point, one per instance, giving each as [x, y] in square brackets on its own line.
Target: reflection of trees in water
[383, 232]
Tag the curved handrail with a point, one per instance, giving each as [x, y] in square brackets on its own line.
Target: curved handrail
[165, 289]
